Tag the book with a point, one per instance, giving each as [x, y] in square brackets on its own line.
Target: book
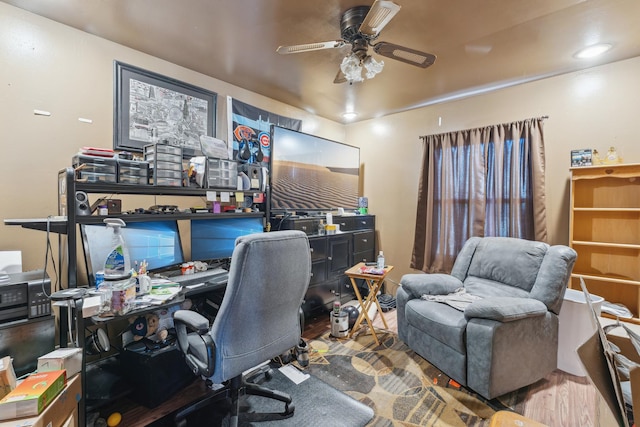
[33, 394]
[7, 376]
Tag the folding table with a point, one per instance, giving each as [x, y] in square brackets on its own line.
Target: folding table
[374, 283]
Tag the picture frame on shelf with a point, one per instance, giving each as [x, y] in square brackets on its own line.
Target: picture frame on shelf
[582, 157]
[150, 107]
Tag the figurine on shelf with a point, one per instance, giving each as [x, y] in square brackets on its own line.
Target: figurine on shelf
[612, 157]
[596, 159]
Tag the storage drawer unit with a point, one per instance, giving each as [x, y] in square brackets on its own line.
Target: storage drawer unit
[93, 169]
[165, 164]
[364, 246]
[133, 172]
[332, 255]
[222, 173]
[356, 222]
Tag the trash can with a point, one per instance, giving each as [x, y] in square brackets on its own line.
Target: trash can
[340, 324]
[575, 328]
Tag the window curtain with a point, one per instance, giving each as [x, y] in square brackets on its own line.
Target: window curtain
[480, 182]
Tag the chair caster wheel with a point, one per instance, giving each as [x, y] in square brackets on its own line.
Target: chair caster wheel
[268, 374]
[288, 409]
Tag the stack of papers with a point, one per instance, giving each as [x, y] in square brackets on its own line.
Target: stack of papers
[162, 290]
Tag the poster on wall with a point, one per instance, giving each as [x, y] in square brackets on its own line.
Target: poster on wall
[150, 107]
[249, 131]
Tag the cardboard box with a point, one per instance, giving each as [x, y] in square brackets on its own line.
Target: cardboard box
[63, 411]
[7, 376]
[69, 359]
[32, 395]
[597, 357]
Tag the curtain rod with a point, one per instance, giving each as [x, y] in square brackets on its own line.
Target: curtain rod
[545, 117]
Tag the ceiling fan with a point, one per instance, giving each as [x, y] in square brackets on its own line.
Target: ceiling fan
[360, 26]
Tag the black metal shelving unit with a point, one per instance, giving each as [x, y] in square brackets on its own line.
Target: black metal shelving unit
[67, 221]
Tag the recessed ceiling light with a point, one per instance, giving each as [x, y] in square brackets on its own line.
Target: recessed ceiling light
[350, 115]
[593, 51]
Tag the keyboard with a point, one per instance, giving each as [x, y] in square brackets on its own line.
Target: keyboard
[214, 275]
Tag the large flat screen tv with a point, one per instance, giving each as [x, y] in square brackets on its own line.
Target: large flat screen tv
[312, 173]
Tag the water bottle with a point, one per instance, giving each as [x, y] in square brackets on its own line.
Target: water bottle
[380, 263]
[336, 308]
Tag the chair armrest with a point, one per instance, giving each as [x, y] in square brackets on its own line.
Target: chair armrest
[194, 321]
[200, 361]
[505, 309]
[416, 285]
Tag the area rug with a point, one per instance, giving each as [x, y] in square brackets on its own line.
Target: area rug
[401, 387]
[316, 403]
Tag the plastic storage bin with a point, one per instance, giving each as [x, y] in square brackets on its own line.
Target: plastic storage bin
[575, 328]
[222, 173]
[165, 164]
[94, 169]
[133, 172]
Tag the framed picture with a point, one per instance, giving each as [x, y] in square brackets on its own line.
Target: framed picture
[583, 157]
[149, 107]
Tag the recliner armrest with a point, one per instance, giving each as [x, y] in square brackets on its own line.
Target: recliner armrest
[505, 309]
[194, 321]
[417, 285]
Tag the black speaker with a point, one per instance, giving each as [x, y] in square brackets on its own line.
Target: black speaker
[254, 173]
[83, 207]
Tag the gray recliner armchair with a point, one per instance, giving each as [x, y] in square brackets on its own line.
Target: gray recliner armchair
[258, 319]
[503, 341]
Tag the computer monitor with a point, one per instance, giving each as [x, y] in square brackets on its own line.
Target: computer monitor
[214, 239]
[156, 242]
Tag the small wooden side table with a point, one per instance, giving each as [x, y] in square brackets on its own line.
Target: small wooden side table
[374, 282]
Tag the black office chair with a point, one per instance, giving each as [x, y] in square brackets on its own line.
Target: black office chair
[258, 319]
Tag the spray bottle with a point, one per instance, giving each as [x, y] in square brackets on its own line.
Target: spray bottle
[118, 263]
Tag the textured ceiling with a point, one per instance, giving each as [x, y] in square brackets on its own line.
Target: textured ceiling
[479, 45]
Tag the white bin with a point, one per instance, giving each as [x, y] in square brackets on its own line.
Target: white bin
[576, 327]
[339, 324]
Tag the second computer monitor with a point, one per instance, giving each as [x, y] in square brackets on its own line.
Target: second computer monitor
[214, 239]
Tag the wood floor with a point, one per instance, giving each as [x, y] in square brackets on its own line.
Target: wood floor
[559, 400]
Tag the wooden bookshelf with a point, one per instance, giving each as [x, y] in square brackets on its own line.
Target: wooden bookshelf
[605, 232]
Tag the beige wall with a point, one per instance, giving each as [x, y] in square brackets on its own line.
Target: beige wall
[48, 66]
[596, 108]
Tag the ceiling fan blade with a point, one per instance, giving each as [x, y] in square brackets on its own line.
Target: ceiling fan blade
[285, 50]
[340, 77]
[381, 12]
[404, 54]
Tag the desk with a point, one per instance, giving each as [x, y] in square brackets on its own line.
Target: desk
[120, 388]
[374, 282]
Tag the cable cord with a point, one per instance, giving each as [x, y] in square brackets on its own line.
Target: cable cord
[48, 253]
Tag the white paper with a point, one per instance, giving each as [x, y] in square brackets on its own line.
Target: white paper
[293, 374]
[225, 196]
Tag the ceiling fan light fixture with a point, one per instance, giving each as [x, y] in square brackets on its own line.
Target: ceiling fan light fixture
[372, 66]
[360, 26]
[593, 50]
[351, 68]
